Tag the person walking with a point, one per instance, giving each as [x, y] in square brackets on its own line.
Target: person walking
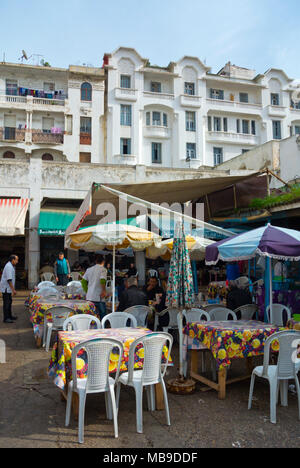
[7, 285]
[62, 270]
[96, 277]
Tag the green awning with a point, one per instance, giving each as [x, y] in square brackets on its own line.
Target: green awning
[55, 222]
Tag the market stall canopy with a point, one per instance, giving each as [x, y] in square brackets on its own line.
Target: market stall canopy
[12, 216]
[54, 222]
[196, 247]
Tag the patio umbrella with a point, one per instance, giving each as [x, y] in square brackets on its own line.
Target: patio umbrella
[113, 236]
[267, 241]
[196, 247]
[180, 289]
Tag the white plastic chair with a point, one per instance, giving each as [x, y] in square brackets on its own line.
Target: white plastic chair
[277, 314]
[279, 375]
[48, 276]
[119, 320]
[152, 373]
[74, 287]
[81, 322]
[152, 273]
[49, 292]
[221, 313]
[140, 312]
[45, 284]
[195, 315]
[59, 315]
[246, 312]
[172, 325]
[75, 275]
[97, 381]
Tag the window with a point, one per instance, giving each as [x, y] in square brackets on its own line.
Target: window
[225, 124]
[155, 87]
[209, 123]
[274, 99]
[245, 126]
[218, 156]
[48, 123]
[156, 153]
[85, 157]
[295, 105]
[165, 120]
[244, 97]
[126, 115]
[217, 94]
[217, 124]
[297, 129]
[85, 125]
[11, 88]
[253, 127]
[125, 145]
[125, 81]
[190, 119]
[86, 92]
[156, 118]
[276, 129]
[47, 157]
[191, 150]
[148, 118]
[244, 151]
[9, 155]
[189, 88]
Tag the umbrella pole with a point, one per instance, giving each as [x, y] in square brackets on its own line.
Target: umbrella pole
[271, 286]
[180, 344]
[114, 279]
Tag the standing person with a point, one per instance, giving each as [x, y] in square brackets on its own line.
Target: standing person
[7, 285]
[62, 270]
[96, 277]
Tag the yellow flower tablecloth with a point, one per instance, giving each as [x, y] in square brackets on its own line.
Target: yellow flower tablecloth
[229, 339]
[60, 363]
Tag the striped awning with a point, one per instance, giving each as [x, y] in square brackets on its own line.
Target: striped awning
[12, 216]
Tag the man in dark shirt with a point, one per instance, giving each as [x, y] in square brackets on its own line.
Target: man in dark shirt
[237, 297]
[152, 289]
[132, 295]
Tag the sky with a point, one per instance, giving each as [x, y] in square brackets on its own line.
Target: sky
[256, 34]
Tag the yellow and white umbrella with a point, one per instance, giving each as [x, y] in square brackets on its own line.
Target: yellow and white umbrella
[112, 236]
[196, 247]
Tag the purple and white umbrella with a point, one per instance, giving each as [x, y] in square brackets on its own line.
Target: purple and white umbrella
[268, 241]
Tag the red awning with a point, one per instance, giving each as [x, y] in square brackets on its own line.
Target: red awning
[12, 216]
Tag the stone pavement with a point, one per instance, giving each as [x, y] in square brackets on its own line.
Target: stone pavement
[32, 413]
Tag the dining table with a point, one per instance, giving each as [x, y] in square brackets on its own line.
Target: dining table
[60, 368]
[41, 306]
[227, 340]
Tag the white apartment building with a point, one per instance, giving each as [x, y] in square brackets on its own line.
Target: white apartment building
[52, 113]
[185, 116]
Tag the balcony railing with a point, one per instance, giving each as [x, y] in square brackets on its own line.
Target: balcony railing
[154, 95]
[85, 138]
[38, 136]
[129, 94]
[12, 134]
[25, 100]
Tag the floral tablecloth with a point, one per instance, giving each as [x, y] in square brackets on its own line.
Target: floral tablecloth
[40, 306]
[228, 339]
[290, 298]
[34, 296]
[60, 363]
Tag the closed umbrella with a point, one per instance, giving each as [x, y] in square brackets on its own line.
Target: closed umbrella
[180, 289]
[113, 236]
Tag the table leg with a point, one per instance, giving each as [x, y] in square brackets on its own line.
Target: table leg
[222, 384]
[159, 397]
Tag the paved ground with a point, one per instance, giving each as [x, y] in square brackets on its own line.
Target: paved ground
[32, 413]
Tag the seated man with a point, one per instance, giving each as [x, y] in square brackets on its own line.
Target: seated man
[152, 289]
[237, 297]
[132, 295]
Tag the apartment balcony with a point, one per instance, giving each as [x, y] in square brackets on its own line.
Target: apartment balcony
[235, 107]
[232, 138]
[12, 135]
[85, 138]
[277, 111]
[157, 131]
[31, 103]
[158, 97]
[125, 159]
[40, 137]
[187, 100]
[126, 94]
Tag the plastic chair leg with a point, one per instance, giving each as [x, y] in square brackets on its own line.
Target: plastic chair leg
[69, 406]
[152, 396]
[82, 398]
[49, 333]
[114, 409]
[251, 391]
[118, 396]
[166, 402]
[284, 387]
[298, 393]
[108, 406]
[273, 395]
[139, 407]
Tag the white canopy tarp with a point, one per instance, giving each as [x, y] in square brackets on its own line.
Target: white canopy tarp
[12, 216]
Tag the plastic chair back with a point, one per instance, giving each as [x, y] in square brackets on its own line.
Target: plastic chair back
[152, 273]
[221, 313]
[288, 340]
[246, 312]
[279, 314]
[59, 315]
[75, 276]
[153, 368]
[48, 276]
[119, 320]
[74, 287]
[98, 356]
[140, 312]
[81, 322]
[195, 315]
[49, 292]
[45, 284]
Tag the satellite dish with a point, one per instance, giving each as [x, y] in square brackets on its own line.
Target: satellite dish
[24, 55]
